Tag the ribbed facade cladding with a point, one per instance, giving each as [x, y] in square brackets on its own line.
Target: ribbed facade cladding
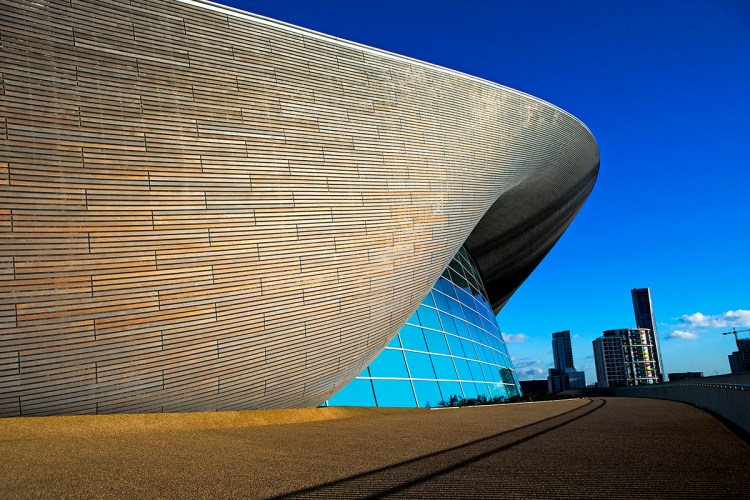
[451, 346]
[203, 209]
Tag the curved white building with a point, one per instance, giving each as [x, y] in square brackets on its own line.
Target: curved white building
[203, 209]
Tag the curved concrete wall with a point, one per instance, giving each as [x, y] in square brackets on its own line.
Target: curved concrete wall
[725, 395]
[202, 209]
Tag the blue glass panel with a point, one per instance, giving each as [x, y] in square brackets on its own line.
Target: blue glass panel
[442, 285]
[455, 277]
[481, 309]
[493, 391]
[429, 318]
[469, 349]
[478, 349]
[492, 374]
[488, 354]
[436, 342]
[506, 375]
[484, 319]
[395, 393]
[428, 300]
[462, 329]
[474, 318]
[356, 393]
[474, 332]
[395, 342]
[428, 393]
[483, 337]
[485, 371]
[478, 305]
[420, 365]
[500, 390]
[441, 301]
[455, 345]
[483, 390]
[486, 325]
[450, 389]
[454, 308]
[467, 313]
[504, 349]
[513, 390]
[412, 338]
[447, 322]
[464, 296]
[470, 390]
[501, 361]
[413, 319]
[449, 289]
[463, 369]
[390, 363]
[507, 364]
[480, 353]
[493, 356]
[493, 342]
[444, 367]
[476, 371]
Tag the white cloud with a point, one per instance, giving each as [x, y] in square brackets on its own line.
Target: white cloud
[530, 373]
[740, 317]
[514, 338]
[529, 368]
[526, 363]
[682, 335]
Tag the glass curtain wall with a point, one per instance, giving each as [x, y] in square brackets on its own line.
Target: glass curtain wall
[451, 346]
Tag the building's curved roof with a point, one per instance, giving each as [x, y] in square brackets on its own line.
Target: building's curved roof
[524, 223]
[204, 209]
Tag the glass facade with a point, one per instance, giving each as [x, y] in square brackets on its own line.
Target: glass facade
[451, 346]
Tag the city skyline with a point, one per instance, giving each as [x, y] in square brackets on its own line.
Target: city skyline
[662, 88]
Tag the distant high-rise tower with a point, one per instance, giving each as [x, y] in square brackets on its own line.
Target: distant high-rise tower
[644, 318]
[561, 350]
[564, 375]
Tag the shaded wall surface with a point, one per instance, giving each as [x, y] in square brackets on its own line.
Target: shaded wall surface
[725, 395]
[203, 209]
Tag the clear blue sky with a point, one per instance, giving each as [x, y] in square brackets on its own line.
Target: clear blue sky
[665, 88]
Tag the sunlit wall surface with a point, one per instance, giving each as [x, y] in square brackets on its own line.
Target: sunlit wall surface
[206, 210]
[450, 346]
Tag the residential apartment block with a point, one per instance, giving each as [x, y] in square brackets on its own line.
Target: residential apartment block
[625, 357]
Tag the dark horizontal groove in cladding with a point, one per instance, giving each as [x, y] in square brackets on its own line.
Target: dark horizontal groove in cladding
[201, 211]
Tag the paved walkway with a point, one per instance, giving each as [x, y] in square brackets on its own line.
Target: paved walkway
[598, 448]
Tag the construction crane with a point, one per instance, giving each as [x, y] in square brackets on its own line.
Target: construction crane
[735, 332]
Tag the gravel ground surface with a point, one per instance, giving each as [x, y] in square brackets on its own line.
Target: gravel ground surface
[587, 448]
